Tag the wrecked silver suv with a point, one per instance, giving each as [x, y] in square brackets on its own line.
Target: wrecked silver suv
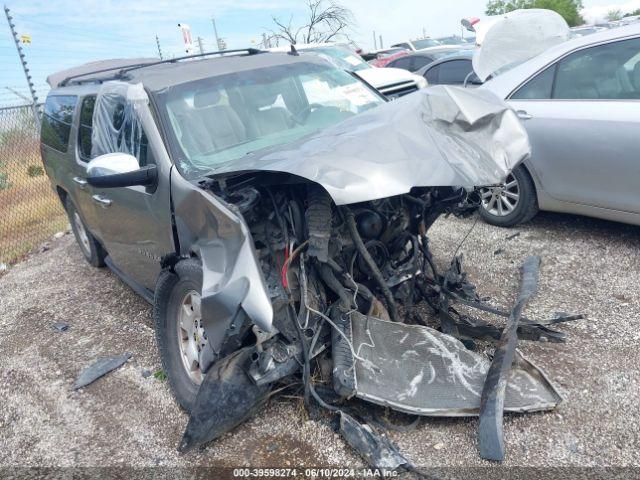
[276, 212]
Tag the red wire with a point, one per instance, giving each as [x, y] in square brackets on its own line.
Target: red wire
[283, 272]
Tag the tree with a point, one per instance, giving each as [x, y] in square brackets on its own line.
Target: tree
[568, 9]
[613, 15]
[632, 14]
[500, 7]
[327, 21]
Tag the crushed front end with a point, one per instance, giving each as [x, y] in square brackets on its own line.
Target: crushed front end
[359, 307]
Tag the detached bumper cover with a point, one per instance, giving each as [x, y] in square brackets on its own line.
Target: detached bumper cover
[418, 370]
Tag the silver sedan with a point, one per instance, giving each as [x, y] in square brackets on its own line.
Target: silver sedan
[580, 104]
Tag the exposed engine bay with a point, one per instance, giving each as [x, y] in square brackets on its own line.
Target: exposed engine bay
[361, 310]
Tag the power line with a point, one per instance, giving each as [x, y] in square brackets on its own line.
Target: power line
[84, 32]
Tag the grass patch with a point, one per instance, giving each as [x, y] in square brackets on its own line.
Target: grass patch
[31, 210]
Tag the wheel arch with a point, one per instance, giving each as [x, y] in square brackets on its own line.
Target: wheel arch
[62, 195]
[537, 184]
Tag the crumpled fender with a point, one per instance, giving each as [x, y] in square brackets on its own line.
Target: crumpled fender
[231, 276]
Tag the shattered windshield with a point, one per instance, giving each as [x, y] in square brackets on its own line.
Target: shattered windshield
[220, 119]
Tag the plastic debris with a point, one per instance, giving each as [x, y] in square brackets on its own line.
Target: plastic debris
[100, 368]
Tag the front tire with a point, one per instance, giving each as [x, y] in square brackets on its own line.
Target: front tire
[179, 330]
[89, 246]
[512, 203]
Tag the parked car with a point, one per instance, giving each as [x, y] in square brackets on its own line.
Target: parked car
[580, 104]
[420, 44]
[451, 70]
[270, 208]
[374, 54]
[383, 59]
[391, 82]
[417, 60]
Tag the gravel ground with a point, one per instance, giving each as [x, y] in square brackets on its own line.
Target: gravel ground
[129, 418]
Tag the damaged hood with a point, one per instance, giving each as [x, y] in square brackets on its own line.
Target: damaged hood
[438, 136]
[515, 37]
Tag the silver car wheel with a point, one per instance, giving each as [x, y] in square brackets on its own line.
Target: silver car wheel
[83, 237]
[503, 199]
[191, 336]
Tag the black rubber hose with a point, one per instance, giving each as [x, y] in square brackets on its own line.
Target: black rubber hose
[329, 278]
[377, 274]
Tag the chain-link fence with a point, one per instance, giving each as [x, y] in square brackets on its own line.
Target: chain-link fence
[29, 209]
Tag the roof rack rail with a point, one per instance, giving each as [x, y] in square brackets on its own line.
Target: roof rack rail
[121, 71]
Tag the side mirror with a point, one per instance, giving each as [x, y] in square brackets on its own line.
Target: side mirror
[119, 170]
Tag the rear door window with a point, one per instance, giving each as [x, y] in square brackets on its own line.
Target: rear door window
[56, 121]
[85, 128]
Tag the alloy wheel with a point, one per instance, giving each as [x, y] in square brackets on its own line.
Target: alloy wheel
[501, 200]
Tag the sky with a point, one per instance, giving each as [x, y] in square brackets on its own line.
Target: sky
[65, 33]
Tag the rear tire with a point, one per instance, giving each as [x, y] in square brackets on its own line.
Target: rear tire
[523, 209]
[171, 290]
[89, 246]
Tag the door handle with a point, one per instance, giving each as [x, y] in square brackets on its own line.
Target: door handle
[104, 202]
[81, 182]
[523, 115]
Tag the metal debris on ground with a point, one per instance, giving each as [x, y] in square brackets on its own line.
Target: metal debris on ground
[376, 449]
[100, 368]
[492, 402]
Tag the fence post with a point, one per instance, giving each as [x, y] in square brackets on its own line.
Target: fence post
[23, 62]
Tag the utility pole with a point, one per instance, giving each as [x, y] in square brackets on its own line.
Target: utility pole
[159, 50]
[381, 46]
[375, 45]
[23, 62]
[215, 32]
[266, 43]
[199, 39]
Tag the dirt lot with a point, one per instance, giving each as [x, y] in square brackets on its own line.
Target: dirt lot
[129, 417]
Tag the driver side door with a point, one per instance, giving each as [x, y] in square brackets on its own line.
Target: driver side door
[135, 222]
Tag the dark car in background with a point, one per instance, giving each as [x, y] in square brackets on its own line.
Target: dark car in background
[451, 70]
[417, 60]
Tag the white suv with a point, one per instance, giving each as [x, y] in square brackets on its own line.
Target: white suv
[391, 82]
